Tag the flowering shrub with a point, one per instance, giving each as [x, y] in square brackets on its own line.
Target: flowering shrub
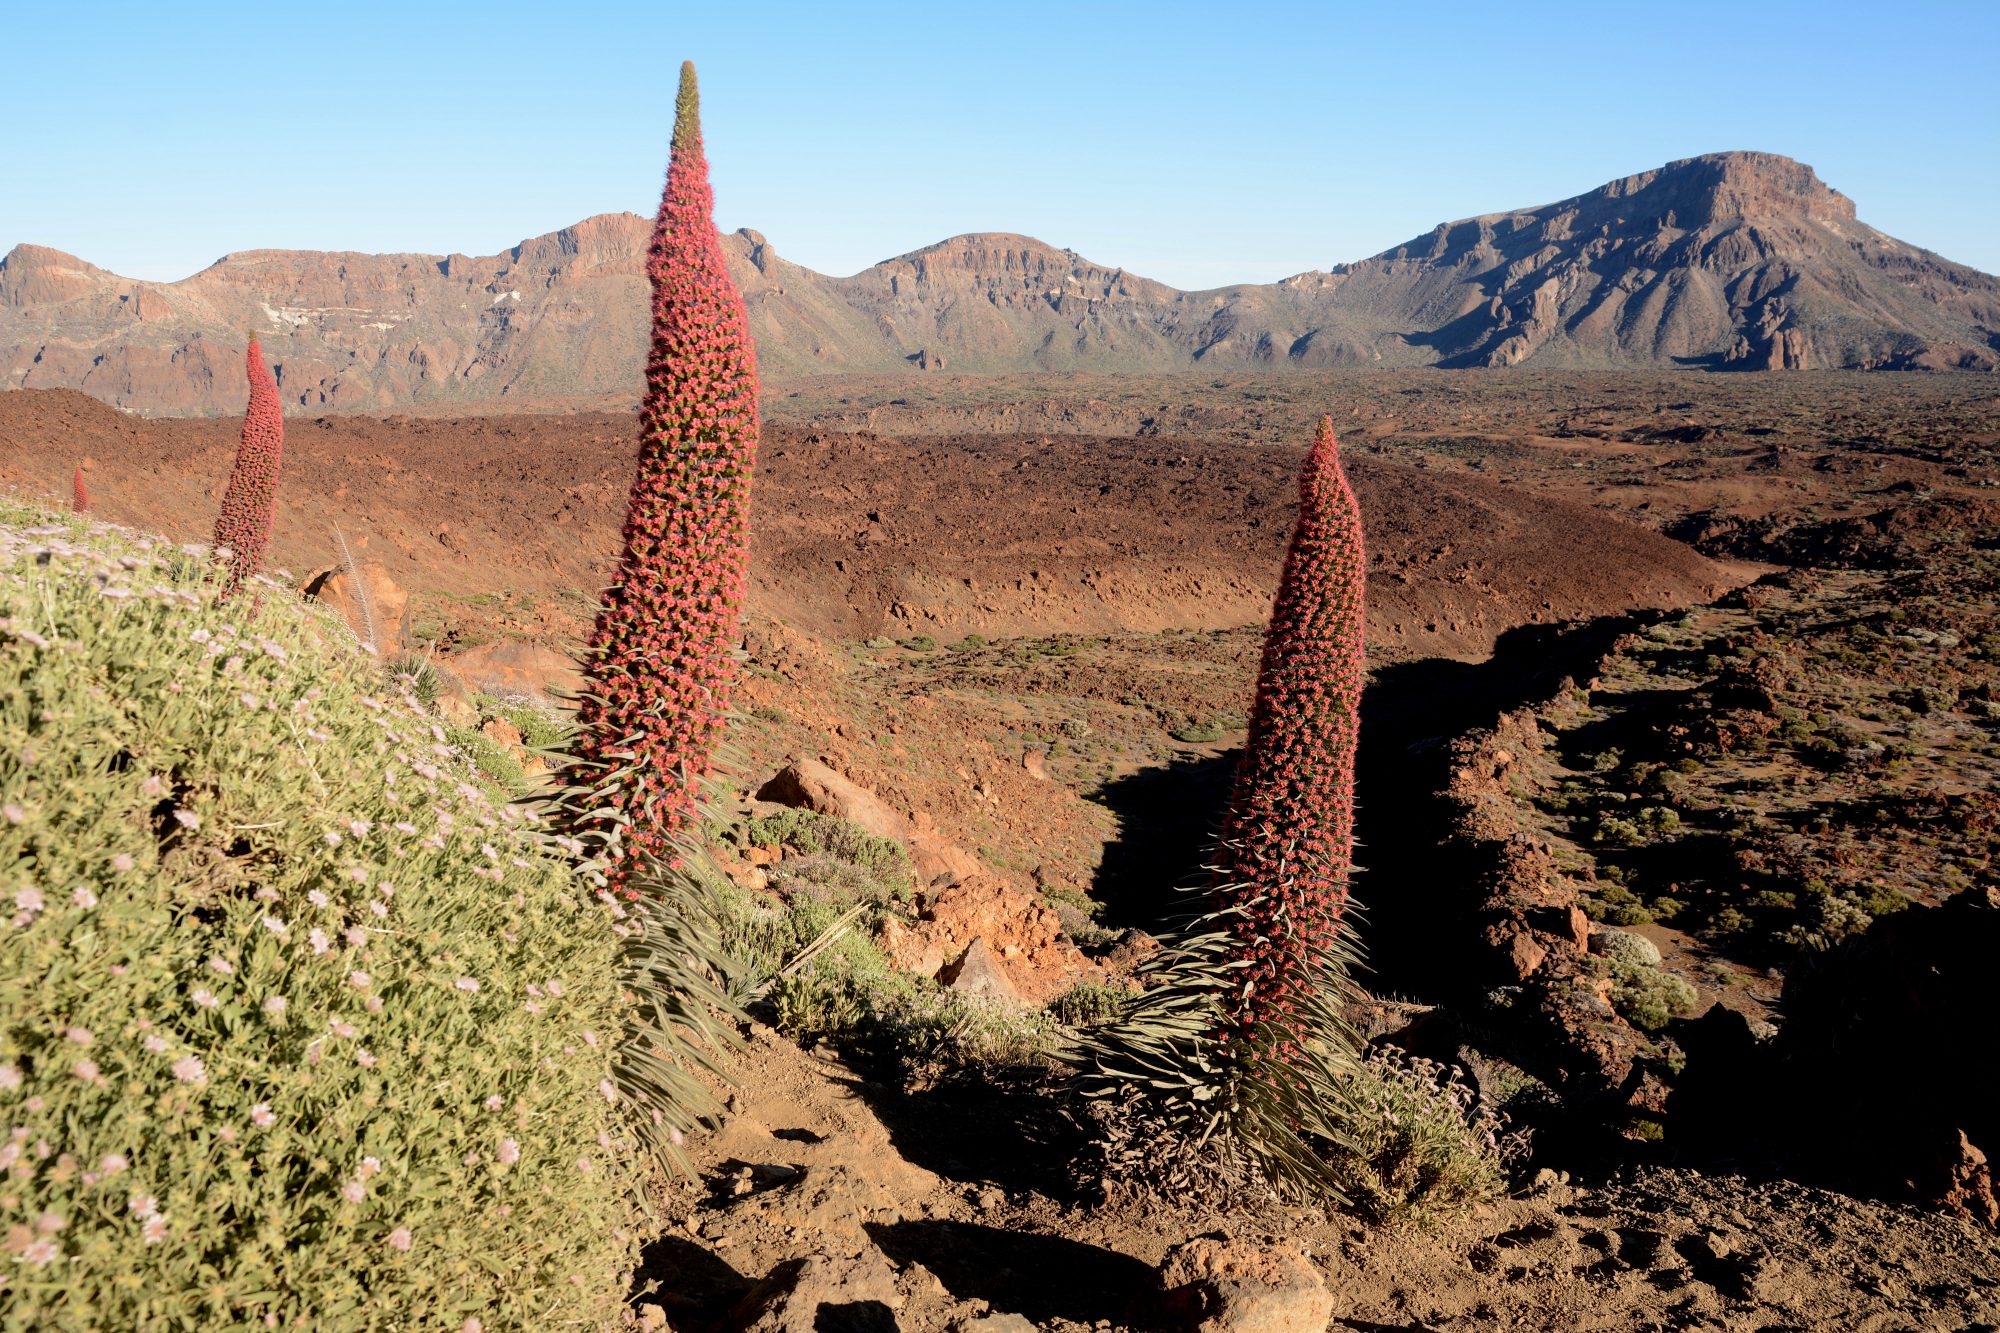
[79, 497]
[244, 526]
[300, 1025]
[660, 672]
[1239, 1028]
[1288, 841]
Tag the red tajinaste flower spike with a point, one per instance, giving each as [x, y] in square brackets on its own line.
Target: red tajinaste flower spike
[660, 670]
[79, 497]
[1288, 841]
[244, 526]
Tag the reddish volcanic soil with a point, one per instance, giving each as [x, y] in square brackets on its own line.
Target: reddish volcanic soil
[1122, 576]
[859, 534]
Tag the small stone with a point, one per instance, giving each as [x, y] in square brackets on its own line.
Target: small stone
[994, 1323]
[978, 972]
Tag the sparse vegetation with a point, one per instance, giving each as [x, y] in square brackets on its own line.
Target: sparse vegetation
[1647, 996]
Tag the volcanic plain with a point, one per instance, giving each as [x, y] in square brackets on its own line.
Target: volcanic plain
[1026, 611]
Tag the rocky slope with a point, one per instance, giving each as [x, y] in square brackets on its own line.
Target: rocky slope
[1732, 260]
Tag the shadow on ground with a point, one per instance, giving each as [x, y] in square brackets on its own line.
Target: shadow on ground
[1007, 1130]
[1039, 1277]
[1408, 885]
[1167, 822]
[696, 1287]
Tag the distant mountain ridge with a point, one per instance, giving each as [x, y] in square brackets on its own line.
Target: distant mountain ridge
[1730, 260]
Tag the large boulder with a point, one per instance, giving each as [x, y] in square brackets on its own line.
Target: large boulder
[808, 784]
[1214, 1285]
[374, 606]
[985, 935]
[516, 669]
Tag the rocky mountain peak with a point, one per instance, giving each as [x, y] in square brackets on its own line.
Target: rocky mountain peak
[1727, 261]
[35, 273]
[1717, 188]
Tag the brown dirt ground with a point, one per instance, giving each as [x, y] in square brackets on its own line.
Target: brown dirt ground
[858, 535]
[951, 1195]
[1123, 524]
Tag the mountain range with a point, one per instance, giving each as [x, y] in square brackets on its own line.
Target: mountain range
[1726, 261]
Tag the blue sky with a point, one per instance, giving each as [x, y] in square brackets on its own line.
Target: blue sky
[1197, 144]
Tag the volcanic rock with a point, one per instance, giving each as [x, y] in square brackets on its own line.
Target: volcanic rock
[979, 972]
[1214, 1285]
[986, 926]
[516, 668]
[808, 784]
[377, 611]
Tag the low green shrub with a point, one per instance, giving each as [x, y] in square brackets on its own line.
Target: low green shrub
[1089, 1003]
[883, 863]
[539, 731]
[904, 1026]
[1648, 997]
[490, 758]
[1422, 1146]
[300, 1025]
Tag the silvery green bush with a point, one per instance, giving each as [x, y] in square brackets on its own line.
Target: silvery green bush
[301, 1025]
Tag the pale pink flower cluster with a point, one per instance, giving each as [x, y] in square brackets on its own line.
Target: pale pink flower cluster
[29, 903]
[152, 1222]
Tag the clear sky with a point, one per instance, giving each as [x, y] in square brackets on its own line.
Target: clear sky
[1199, 144]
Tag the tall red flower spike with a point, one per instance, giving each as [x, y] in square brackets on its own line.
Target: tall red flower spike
[1288, 841]
[660, 670]
[79, 498]
[244, 526]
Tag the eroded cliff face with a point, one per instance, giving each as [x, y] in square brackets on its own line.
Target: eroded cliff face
[1729, 261]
